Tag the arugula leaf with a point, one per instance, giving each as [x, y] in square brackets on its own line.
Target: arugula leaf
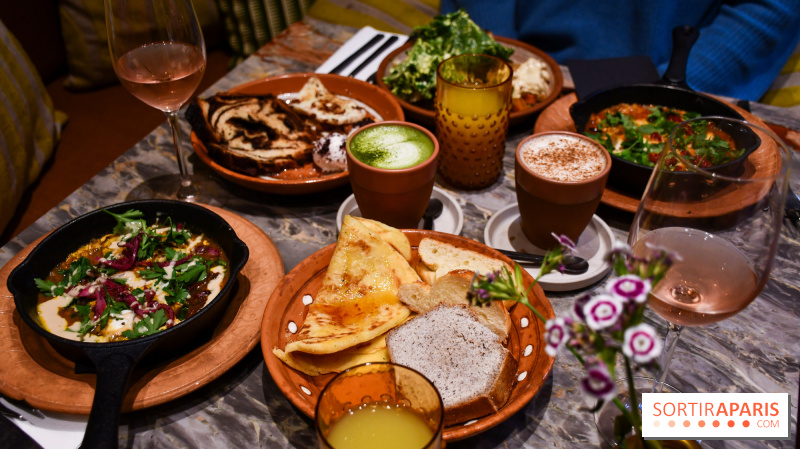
[148, 325]
[130, 221]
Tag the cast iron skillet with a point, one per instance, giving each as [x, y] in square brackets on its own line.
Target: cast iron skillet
[673, 91]
[114, 361]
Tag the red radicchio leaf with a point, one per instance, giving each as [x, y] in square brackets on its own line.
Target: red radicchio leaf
[100, 304]
[128, 255]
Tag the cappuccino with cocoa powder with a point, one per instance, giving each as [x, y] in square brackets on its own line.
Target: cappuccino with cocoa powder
[560, 177]
[562, 157]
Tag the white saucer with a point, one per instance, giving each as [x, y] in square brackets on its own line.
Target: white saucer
[451, 221]
[504, 231]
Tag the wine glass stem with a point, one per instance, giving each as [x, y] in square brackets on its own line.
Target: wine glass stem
[187, 190]
[670, 343]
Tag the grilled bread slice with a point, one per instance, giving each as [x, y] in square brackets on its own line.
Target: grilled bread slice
[252, 134]
[439, 258]
[464, 359]
[451, 289]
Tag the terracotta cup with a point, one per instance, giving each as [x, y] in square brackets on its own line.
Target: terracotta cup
[397, 197]
[549, 205]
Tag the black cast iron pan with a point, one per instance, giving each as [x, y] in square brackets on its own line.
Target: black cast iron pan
[672, 91]
[114, 361]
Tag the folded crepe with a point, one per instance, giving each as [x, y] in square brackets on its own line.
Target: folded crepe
[357, 302]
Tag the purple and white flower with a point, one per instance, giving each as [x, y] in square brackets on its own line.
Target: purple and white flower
[598, 382]
[641, 343]
[663, 252]
[565, 241]
[577, 307]
[602, 311]
[630, 288]
[557, 333]
[620, 248]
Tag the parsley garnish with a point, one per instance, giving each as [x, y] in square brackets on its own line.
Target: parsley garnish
[147, 326]
[130, 221]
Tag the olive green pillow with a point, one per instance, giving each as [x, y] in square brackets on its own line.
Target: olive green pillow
[29, 126]
[397, 16]
[83, 26]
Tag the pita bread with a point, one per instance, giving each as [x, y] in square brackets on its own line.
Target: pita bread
[357, 301]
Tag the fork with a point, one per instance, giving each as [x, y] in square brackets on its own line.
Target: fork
[7, 412]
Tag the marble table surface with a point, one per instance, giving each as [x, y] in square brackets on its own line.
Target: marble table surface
[754, 351]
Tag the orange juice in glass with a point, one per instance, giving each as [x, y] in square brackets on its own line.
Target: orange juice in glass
[473, 100]
[380, 405]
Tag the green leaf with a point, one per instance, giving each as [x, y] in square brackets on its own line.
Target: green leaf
[130, 221]
[48, 288]
[446, 35]
[148, 325]
[176, 295]
[154, 272]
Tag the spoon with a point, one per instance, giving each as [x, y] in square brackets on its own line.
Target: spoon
[572, 264]
[434, 209]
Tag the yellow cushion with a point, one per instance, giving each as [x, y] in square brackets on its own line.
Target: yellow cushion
[399, 16]
[83, 26]
[785, 90]
[29, 126]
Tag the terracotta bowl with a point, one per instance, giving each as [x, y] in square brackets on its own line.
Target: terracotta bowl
[522, 52]
[380, 101]
[286, 306]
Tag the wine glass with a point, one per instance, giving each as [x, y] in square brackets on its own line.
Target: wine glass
[159, 55]
[723, 221]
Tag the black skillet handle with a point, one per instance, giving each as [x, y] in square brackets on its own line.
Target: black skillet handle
[114, 367]
[683, 38]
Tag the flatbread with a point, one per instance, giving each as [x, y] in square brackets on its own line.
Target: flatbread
[357, 301]
[317, 364]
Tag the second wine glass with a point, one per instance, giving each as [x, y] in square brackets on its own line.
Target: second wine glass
[715, 200]
[159, 55]
[720, 210]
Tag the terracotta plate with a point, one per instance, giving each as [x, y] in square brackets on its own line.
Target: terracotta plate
[522, 52]
[32, 371]
[379, 100]
[286, 306]
[765, 161]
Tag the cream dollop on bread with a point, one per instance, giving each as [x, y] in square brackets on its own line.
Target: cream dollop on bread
[463, 358]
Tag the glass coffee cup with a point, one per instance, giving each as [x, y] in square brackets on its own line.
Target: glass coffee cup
[560, 178]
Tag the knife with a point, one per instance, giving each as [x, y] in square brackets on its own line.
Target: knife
[374, 55]
[342, 65]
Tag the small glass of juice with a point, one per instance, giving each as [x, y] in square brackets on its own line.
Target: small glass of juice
[380, 405]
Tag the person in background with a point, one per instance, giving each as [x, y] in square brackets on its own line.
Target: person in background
[741, 49]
